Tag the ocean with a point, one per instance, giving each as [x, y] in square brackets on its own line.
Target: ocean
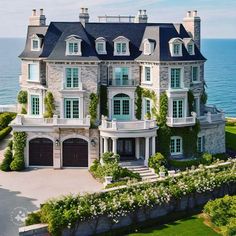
[220, 71]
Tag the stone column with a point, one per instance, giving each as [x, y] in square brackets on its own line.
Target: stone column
[146, 151]
[137, 148]
[105, 144]
[153, 145]
[114, 145]
[101, 146]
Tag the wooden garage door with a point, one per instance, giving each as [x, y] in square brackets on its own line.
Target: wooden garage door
[75, 153]
[41, 152]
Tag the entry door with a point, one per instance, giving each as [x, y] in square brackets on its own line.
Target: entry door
[126, 149]
[121, 108]
[178, 108]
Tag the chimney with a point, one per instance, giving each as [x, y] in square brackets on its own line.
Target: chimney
[37, 20]
[141, 17]
[192, 23]
[84, 16]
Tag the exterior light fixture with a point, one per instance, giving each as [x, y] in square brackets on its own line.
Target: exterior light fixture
[93, 142]
[57, 142]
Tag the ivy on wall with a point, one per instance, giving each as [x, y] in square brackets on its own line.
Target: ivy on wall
[22, 98]
[138, 103]
[93, 108]
[103, 100]
[191, 101]
[49, 105]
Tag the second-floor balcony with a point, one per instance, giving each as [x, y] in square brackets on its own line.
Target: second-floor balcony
[212, 115]
[182, 121]
[26, 121]
[118, 82]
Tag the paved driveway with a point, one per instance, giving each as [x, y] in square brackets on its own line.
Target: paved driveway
[24, 191]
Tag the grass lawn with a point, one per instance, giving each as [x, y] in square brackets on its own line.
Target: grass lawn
[191, 226]
[231, 137]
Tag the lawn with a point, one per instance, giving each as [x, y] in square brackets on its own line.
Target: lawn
[231, 137]
[191, 226]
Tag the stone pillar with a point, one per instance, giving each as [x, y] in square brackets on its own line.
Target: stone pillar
[146, 151]
[57, 155]
[101, 146]
[153, 145]
[137, 148]
[114, 145]
[105, 144]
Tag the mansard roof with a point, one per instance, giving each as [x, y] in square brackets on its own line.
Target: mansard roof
[54, 44]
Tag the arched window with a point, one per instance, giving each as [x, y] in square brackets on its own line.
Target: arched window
[175, 45]
[121, 46]
[73, 45]
[121, 107]
[101, 45]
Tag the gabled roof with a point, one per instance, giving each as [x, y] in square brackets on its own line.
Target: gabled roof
[54, 46]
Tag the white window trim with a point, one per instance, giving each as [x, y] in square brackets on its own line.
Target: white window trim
[198, 77]
[29, 113]
[103, 41]
[144, 75]
[144, 106]
[64, 87]
[35, 38]
[191, 43]
[173, 42]
[181, 77]
[81, 107]
[202, 136]
[73, 39]
[121, 39]
[181, 146]
[122, 66]
[31, 63]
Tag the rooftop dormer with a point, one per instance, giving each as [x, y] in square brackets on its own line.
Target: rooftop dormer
[101, 45]
[73, 45]
[36, 42]
[175, 46]
[121, 46]
[189, 45]
[148, 46]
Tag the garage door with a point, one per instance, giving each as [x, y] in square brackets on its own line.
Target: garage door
[41, 152]
[75, 153]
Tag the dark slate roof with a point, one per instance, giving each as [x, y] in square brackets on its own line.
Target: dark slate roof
[55, 46]
[40, 31]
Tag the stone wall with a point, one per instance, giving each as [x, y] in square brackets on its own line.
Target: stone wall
[105, 224]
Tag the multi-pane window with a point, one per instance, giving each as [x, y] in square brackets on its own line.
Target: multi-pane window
[190, 49]
[176, 49]
[176, 145]
[195, 74]
[116, 107]
[121, 48]
[71, 107]
[147, 71]
[201, 144]
[73, 48]
[125, 108]
[33, 72]
[72, 77]
[122, 76]
[175, 78]
[100, 47]
[147, 106]
[121, 107]
[34, 105]
[177, 108]
[35, 44]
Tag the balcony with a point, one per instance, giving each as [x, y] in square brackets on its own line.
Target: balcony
[181, 122]
[115, 125]
[212, 115]
[121, 83]
[24, 121]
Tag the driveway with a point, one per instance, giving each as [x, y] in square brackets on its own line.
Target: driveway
[22, 192]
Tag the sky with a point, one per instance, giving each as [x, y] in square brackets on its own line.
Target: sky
[218, 16]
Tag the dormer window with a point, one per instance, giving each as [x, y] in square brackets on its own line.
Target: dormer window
[148, 47]
[189, 44]
[121, 46]
[176, 47]
[101, 46]
[36, 42]
[73, 46]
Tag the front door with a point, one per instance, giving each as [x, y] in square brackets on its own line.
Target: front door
[126, 148]
[121, 107]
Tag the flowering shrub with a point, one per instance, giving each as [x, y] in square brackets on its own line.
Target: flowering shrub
[68, 211]
[156, 161]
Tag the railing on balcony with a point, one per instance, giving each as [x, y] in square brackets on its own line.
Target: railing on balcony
[127, 125]
[8, 108]
[181, 122]
[212, 117]
[118, 82]
[55, 121]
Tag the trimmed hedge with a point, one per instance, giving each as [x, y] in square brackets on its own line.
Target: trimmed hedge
[8, 157]
[5, 119]
[5, 132]
[183, 164]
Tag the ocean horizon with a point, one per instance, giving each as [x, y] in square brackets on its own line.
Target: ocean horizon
[220, 71]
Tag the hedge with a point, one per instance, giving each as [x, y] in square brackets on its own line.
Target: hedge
[68, 211]
[5, 132]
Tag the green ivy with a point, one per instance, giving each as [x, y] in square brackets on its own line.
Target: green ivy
[138, 103]
[49, 105]
[191, 101]
[93, 108]
[163, 109]
[22, 97]
[103, 100]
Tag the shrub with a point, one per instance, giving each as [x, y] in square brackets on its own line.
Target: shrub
[22, 97]
[117, 184]
[206, 159]
[183, 164]
[221, 156]
[5, 132]
[23, 110]
[10, 144]
[5, 119]
[110, 157]
[33, 218]
[156, 161]
[18, 162]
[5, 166]
[49, 105]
